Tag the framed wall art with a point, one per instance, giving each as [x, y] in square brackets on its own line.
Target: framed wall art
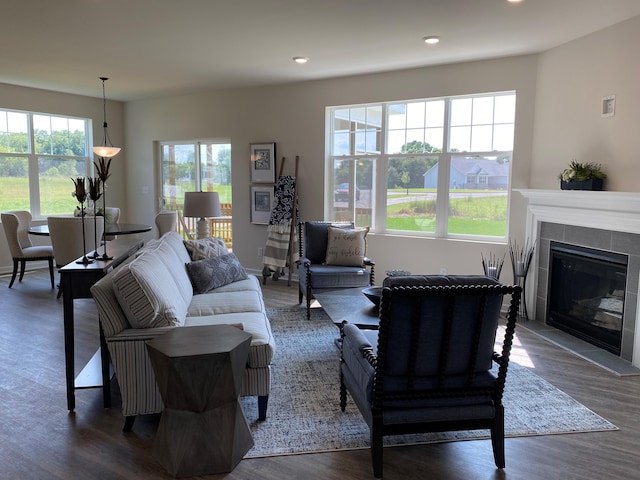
[261, 203]
[263, 162]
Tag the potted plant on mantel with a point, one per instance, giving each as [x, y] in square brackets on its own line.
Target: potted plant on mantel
[582, 176]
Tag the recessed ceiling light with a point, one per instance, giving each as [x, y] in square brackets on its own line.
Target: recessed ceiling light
[514, 1]
[432, 40]
[301, 59]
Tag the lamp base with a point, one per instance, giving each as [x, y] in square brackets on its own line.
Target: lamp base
[203, 229]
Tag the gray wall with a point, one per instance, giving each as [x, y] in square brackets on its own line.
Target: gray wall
[558, 118]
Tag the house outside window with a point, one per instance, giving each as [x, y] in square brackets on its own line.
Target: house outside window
[386, 161]
[39, 154]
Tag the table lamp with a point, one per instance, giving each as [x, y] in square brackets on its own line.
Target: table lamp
[202, 204]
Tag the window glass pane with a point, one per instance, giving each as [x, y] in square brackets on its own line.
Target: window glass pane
[341, 144]
[215, 165]
[353, 193]
[178, 173]
[14, 184]
[435, 113]
[395, 140]
[411, 194]
[482, 110]
[416, 136]
[55, 184]
[505, 109]
[396, 117]
[478, 195]
[461, 111]
[415, 115]
[481, 138]
[13, 132]
[503, 137]
[434, 139]
[460, 139]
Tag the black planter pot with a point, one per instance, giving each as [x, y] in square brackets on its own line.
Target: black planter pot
[594, 184]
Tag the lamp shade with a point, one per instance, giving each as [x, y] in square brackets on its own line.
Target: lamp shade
[202, 204]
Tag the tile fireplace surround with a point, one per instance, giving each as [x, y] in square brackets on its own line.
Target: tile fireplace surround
[601, 220]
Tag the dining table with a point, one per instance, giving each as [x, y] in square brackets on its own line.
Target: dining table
[109, 229]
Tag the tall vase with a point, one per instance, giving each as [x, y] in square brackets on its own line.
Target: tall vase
[104, 256]
[84, 260]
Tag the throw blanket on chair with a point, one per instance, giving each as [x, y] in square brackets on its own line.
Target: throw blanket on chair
[276, 252]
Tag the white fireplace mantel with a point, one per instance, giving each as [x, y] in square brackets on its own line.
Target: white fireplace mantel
[614, 211]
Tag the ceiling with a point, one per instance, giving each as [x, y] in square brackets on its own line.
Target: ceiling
[155, 48]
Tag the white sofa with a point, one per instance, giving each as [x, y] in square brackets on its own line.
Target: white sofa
[153, 293]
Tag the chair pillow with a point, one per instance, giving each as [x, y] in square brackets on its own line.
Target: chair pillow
[215, 272]
[205, 248]
[346, 247]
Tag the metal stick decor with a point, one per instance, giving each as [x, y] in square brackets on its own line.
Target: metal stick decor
[492, 266]
[520, 261]
[81, 195]
[102, 167]
[94, 195]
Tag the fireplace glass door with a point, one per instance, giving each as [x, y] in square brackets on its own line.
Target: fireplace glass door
[586, 294]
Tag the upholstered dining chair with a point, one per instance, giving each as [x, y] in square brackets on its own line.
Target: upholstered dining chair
[429, 366]
[166, 221]
[66, 238]
[332, 255]
[16, 227]
[112, 215]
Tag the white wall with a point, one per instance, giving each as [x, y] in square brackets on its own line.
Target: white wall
[572, 79]
[293, 116]
[31, 99]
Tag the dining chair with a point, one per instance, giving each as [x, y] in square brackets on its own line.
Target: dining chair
[66, 238]
[16, 227]
[112, 215]
[166, 222]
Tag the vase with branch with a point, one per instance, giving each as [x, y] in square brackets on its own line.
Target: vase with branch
[521, 257]
[94, 195]
[102, 168]
[81, 195]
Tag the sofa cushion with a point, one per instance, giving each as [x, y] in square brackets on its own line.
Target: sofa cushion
[346, 247]
[148, 294]
[205, 248]
[215, 272]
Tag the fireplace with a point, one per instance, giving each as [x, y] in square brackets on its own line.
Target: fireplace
[602, 221]
[586, 294]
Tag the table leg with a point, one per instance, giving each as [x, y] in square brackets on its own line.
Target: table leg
[69, 353]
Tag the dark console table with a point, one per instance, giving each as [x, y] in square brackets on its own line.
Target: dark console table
[76, 280]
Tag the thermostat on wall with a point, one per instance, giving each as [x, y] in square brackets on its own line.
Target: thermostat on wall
[608, 106]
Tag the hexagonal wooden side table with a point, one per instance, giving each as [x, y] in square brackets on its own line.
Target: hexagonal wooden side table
[199, 371]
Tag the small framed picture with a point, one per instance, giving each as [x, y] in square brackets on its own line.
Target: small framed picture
[261, 203]
[263, 163]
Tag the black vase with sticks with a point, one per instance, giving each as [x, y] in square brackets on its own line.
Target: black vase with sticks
[81, 195]
[521, 257]
[102, 167]
[94, 195]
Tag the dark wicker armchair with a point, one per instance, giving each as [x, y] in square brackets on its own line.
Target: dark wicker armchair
[428, 368]
[313, 271]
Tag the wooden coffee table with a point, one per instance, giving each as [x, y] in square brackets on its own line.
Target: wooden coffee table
[348, 304]
[199, 371]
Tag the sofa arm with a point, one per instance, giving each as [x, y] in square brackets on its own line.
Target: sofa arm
[138, 334]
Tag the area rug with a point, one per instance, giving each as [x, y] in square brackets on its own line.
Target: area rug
[304, 414]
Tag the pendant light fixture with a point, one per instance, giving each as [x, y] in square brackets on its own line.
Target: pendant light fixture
[106, 149]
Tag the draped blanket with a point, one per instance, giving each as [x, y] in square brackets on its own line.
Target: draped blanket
[276, 252]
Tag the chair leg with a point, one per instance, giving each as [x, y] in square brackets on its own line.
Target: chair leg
[497, 437]
[343, 392]
[15, 272]
[23, 264]
[376, 447]
[51, 272]
[263, 400]
[308, 296]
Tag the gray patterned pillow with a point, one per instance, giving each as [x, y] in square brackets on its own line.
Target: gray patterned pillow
[215, 272]
[205, 248]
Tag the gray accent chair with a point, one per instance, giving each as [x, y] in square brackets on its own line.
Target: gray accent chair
[314, 275]
[16, 227]
[428, 367]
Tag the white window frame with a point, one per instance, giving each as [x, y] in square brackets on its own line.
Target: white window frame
[33, 157]
[378, 221]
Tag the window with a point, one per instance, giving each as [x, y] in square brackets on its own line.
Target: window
[386, 161]
[39, 154]
[195, 166]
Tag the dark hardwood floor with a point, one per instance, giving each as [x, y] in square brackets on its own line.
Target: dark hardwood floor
[39, 439]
